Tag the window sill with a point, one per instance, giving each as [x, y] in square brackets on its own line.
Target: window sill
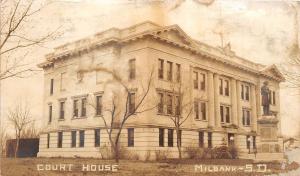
[100, 115]
[61, 119]
[75, 118]
[200, 120]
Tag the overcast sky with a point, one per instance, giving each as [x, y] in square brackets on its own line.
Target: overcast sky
[261, 31]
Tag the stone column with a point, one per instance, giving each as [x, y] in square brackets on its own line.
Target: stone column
[211, 100]
[234, 102]
[239, 107]
[217, 103]
[258, 100]
[253, 107]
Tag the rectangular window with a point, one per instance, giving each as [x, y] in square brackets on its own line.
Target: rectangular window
[160, 69]
[203, 110]
[161, 137]
[196, 80]
[48, 140]
[179, 139]
[221, 87]
[59, 139]
[75, 108]
[169, 104]
[227, 115]
[132, 69]
[50, 113]
[63, 81]
[274, 98]
[169, 71]
[222, 114]
[178, 72]
[202, 83]
[246, 117]
[130, 137]
[254, 141]
[226, 88]
[62, 110]
[177, 105]
[98, 105]
[161, 103]
[248, 139]
[51, 86]
[170, 137]
[131, 103]
[247, 93]
[242, 92]
[81, 138]
[73, 138]
[230, 139]
[201, 139]
[97, 137]
[83, 107]
[196, 109]
[209, 139]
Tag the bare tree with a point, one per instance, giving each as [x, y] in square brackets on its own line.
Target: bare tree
[30, 131]
[3, 138]
[16, 17]
[19, 117]
[123, 106]
[182, 111]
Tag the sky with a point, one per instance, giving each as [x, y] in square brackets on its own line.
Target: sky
[260, 31]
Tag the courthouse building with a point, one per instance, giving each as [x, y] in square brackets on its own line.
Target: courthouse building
[224, 91]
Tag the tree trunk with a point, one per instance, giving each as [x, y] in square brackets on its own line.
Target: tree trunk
[17, 145]
[178, 143]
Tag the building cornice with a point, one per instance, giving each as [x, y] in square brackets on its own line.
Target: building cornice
[114, 36]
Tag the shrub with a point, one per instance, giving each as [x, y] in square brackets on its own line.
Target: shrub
[225, 152]
[147, 155]
[195, 152]
[161, 155]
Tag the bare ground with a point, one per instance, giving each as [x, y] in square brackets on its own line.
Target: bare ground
[28, 167]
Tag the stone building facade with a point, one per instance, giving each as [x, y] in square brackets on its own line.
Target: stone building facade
[222, 90]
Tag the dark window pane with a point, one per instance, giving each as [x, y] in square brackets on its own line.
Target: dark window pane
[201, 139]
[161, 69]
[196, 109]
[75, 108]
[81, 138]
[227, 115]
[73, 140]
[132, 69]
[98, 105]
[83, 107]
[48, 140]
[62, 110]
[170, 71]
[170, 137]
[254, 141]
[161, 103]
[248, 142]
[51, 86]
[97, 137]
[161, 137]
[222, 113]
[59, 139]
[131, 103]
[209, 139]
[203, 110]
[130, 137]
[50, 113]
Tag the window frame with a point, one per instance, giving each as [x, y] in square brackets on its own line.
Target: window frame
[62, 105]
[170, 137]
[51, 86]
[81, 138]
[99, 105]
[132, 69]
[73, 138]
[161, 137]
[160, 68]
[130, 137]
[97, 137]
[59, 139]
[201, 139]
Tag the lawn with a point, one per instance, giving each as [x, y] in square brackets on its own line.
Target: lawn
[38, 167]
